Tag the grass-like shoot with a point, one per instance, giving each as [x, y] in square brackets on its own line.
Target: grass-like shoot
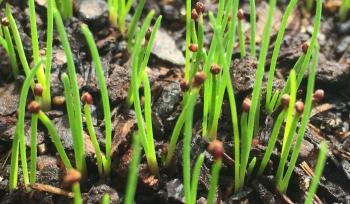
[214, 181]
[19, 136]
[271, 100]
[133, 169]
[72, 178]
[256, 94]
[322, 156]
[104, 95]
[72, 96]
[118, 10]
[283, 182]
[240, 16]
[105, 199]
[101, 159]
[66, 8]
[344, 10]
[6, 42]
[144, 126]
[195, 178]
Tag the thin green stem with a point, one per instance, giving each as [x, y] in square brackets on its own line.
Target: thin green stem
[303, 124]
[241, 39]
[272, 141]
[11, 51]
[135, 19]
[49, 41]
[145, 60]
[81, 165]
[188, 40]
[322, 156]
[178, 126]
[276, 50]
[71, 116]
[186, 153]
[252, 28]
[150, 152]
[214, 181]
[19, 131]
[90, 127]
[257, 88]
[33, 148]
[344, 10]
[105, 199]
[195, 177]
[133, 170]
[77, 194]
[313, 42]
[104, 93]
[17, 39]
[55, 139]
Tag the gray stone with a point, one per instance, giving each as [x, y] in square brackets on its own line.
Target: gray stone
[166, 50]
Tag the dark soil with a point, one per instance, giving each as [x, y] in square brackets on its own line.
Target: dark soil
[330, 118]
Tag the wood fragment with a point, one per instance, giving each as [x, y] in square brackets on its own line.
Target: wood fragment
[51, 189]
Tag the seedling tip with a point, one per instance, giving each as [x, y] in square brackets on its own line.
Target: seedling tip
[34, 107]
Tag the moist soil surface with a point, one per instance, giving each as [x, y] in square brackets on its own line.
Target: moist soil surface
[330, 118]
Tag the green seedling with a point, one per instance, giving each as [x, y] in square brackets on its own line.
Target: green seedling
[195, 178]
[214, 181]
[322, 156]
[240, 16]
[270, 100]
[66, 8]
[105, 199]
[104, 95]
[145, 132]
[344, 10]
[186, 155]
[71, 90]
[252, 28]
[133, 170]
[19, 136]
[283, 183]
[256, 93]
[101, 159]
[309, 4]
[72, 178]
[118, 10]
[8, 45]
[146, 55]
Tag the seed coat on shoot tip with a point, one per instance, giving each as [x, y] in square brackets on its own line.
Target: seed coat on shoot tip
[200, 8]
[184, 85]
[215, 69]
[86, 98]
[38, 90]
[33, 107]
[72, 176]
[299, 107]
[246, 105]
[199, 78]
[216, 149]
[285, 100]
[318, 95]
[194, 15]
[193, 47]
[240, 14]
[305, 47]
